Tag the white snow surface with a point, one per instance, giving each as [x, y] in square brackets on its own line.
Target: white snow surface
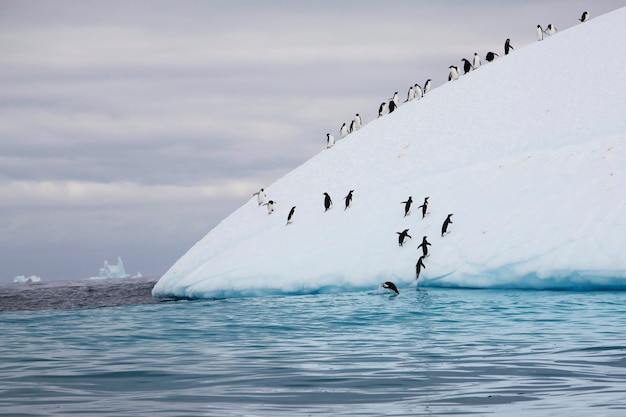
[528, 152]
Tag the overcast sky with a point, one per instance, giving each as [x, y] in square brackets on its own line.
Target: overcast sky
[132, 128]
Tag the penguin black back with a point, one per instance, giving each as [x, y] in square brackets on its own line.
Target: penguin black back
[390, 286]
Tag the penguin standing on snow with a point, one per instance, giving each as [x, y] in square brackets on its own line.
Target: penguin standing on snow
[418, 267]
[403, 235]
[424, 245]
[454, 73]
[446, 223]
[476, 61]
[424, 207]
[491, 56]
[410, 95]
[392, 106]
[328, 203]
[270, 206]
[357, 122]
[407, 206]
[260, 196]
[539, 33]
[290, 216]
[550, 29]
[427, 85]
[390, 286]
[419, 93]
[330, 141]
[507, 46]
[584, 17]
[348, 199]
[467, 66]
[395, 98]
[343, 132]
[382, 109]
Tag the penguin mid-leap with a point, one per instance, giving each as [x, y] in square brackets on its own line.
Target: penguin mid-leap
[343, 132]
[328, 203]
[330, 141]
[418, 267]
[270, 206]
[467, 66]
[507, 46]
[491, 56]
[424, 207]
[348, 199]
[382, 109]
[390, 286]
[407, 206]
[539, 33]
[403, 235]
[260, 196]
[446, 223]
[454, 73]
[584, 17]
[476, 61]
[291, 214]
[424, 245]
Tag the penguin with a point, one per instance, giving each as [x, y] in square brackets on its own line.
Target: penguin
[382, 109]
[550, 29]
[507, 46]
[410, 95]
[491, 56]
[330, 141]
[270, 206]
[343, 132]
[454, 73]
[424, 245]
[395, 98]
[392, 106]
[390, 286]
[260, 196]
[348, 199]
[539, 33]
[419, 93]
[418, 267]
[328, 203]
[424, 207]
[357, 122]
[476, 61]
[290, 216]
[351, 128]
[467, 66]
[427, 86]
[584, 17]
[407, 206]
[446, 223]
[402, 235]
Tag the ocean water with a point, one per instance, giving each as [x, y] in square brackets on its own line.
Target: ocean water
[430, 352]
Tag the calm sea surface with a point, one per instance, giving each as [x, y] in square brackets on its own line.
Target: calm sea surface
[115, 351]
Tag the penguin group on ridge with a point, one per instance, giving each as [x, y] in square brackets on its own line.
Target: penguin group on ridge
[415, 92]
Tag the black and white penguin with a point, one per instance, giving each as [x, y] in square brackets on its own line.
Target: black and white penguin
[291, 214]
[427, 85]
[343, 132]
[407, 206]
[507, 46]
[424, 207]
[348, 199]
[584, 17]
[491, 56]
[476, 61]
[403, 235]
[357, 122]
[351, 128]
[419, 93]
[390, 286]
[446, 223]
[392, 106]
[394, 99]
[270, 206]
[260, 196]
[330, 141]
[454, 73]
[410, 95]
[539, 33]
[328, 203]
[467, 66]
[382, 109]
[424, 245]
[550, 29]
[418, 267]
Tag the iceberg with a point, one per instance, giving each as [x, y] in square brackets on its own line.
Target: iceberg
[114, 271]
[22, 279]
[528, 153]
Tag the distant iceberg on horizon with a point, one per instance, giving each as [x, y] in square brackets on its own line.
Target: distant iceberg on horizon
[115, 271]
[22, 279]
[528, 153]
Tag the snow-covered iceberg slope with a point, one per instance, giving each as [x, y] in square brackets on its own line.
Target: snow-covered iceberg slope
[528, 152]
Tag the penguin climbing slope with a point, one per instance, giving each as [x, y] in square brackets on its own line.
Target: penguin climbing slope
[328, 203]
[403, 235]
[491, 56]
[424, 207]
[330, 141]
[446, 223]
[419, 266]
[291, 214]
[348, 199]
[407, 206]
[476, 61]
[260, 196]
[270, 206]
[424, 245]
[507, 46]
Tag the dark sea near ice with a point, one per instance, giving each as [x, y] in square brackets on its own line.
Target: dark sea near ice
[107, 348]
